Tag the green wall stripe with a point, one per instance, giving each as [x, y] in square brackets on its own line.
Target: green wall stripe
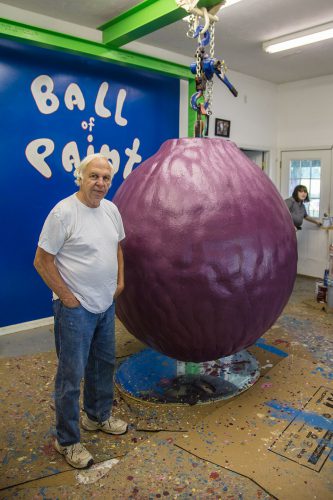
[191, 113]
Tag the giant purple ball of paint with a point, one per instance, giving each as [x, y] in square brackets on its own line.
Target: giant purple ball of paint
[210, 250]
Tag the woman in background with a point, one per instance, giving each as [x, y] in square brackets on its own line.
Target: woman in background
[297, 208]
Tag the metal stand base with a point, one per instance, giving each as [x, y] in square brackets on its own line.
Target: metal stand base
[151, 376]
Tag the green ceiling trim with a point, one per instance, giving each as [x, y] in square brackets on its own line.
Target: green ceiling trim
[53, 40]
[144, 18]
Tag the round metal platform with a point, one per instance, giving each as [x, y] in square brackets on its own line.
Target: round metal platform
[151, 376]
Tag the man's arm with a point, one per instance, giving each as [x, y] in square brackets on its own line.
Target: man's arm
[45, 266]
[120, 279]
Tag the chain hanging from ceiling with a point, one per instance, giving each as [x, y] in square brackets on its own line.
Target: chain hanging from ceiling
[201, 25]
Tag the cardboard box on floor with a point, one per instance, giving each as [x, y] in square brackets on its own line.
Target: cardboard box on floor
[279, 433]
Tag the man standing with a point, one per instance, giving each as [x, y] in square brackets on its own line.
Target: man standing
[80, 258]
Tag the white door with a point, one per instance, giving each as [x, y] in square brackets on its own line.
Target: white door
[258, 157]
[313, 169]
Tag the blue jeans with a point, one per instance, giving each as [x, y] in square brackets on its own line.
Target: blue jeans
[85, 345]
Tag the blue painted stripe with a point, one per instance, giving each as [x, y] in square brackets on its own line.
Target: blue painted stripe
[272, 349]
[285, 412]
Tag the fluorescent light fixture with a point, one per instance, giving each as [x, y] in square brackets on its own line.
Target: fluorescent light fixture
[304, 37]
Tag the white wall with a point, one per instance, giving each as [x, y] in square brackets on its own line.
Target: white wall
[305, 113]
[253, 114]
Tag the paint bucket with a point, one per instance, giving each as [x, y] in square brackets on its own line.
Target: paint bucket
[321, 291]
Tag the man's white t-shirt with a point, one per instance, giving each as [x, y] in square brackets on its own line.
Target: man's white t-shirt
[84, 242]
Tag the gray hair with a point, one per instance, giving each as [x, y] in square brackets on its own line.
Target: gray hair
[79, 171]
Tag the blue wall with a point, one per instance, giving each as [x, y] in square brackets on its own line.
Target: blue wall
[42, 139]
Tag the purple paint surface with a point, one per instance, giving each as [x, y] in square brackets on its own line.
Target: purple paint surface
[210, 250]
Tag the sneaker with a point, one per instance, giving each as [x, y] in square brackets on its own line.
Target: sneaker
[110, 426]
[75, 454]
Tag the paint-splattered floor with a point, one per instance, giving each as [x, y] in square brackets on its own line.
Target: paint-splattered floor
[149, 464]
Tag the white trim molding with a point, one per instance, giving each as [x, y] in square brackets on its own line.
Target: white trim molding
[28, 325]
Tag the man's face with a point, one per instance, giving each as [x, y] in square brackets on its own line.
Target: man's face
[96, 182]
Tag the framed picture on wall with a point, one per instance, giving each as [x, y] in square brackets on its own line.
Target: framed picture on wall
[222, 127]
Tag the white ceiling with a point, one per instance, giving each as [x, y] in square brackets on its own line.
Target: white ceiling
[239, 33]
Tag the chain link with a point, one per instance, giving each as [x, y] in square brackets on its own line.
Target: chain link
[198, 63]
[210, 83]
[209, 96]
[191, 26]
[207, 85]
[212, 40]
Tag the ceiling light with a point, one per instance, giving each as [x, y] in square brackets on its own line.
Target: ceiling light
[305, 37]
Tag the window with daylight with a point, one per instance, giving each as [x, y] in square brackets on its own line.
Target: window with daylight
[307, 173]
